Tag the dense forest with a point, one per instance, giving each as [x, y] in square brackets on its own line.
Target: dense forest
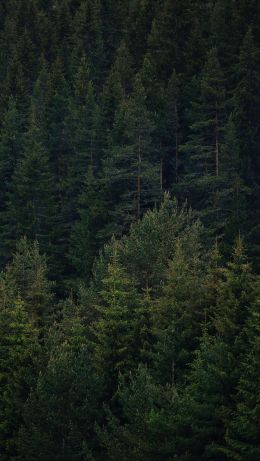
[129, 230]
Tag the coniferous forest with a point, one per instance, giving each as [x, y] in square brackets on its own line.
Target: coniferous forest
[129, 230]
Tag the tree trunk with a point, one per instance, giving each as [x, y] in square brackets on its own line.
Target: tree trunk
[139, 180]
[217, 146]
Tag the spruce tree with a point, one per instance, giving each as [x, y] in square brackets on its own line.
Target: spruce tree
[112, 96]
[88, 38]
[204, 147]
[129, 167]
[215, 372]
[82, 127]
[236, 293]
[40, 100]
[114, 347]
[243, 427]
[18, 369]
[246, 115]
[11, 136]
[179, 313]
[143, 428]
[31, 206]
[232, 193]
[26, 277]
[87, 235]
[60, 413]
[171, 129]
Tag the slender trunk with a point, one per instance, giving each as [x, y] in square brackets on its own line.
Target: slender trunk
[91, 151]
[217, 145]
[161, 168]
[173, 372]
[176, 143]
[139, 180]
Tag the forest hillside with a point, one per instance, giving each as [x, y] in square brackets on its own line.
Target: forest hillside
[129, 230]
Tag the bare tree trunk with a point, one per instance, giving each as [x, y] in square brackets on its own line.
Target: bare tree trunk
[91, 151]
[176, 143]
[173, 372]
[139, 180]
[217, 145]
[161, 168]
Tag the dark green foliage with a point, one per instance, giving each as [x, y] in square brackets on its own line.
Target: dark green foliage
[62, 423]
[114, 349]
[130, 167]
[128, 330]
[86, 236]
[18, 366]
[26, 278]
[179, 313]
[205, 144]
[146, 431]
[242, 435]
[11, 137]
[30, 209]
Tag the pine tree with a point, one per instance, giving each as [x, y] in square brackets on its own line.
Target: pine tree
[18, 368]
[16, 84]
[139, 17]
[112, 96]
[180, 312]
[232, 195]
[130, 168]
[57, 111]
[171, 126]
[88, 38]
[215, 372]
[167, 40]
[124, 66]
[206, 400]
[11, 136]
[143, 429]
[147, 259]
[83, 132]
[26, 277]
[235, 297]
[61, 410]
[246, 115]
[86, 235]
[114, 347]
[205, 143]
[31, 206]
[40, 100]
[247, 105]
[243, 427]
[224, 33]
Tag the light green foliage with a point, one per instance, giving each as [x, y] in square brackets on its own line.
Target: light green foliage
[18, 370]
[26, 278]
[114, 348]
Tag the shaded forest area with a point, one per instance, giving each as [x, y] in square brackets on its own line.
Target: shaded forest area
[129, 230]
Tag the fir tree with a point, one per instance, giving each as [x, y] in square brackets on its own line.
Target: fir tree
[205, 144]
[86, 236]
[26, 277]
[243, 426]
[82, 128]
[11, 136]
[18, 367]
[246, 114]
[114, 347]
[30, 207]
[61, 423]
[178, 314]
[171, 135]
[130, 170]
